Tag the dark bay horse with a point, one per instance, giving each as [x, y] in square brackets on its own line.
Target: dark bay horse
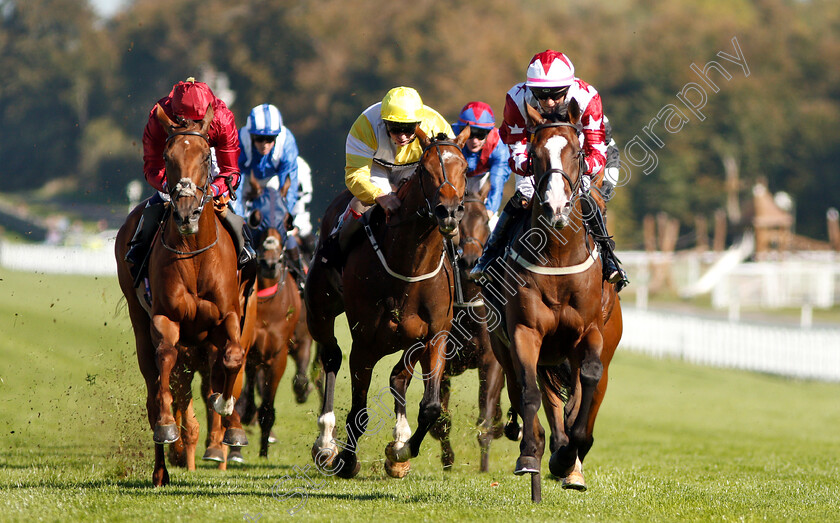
[197, 320]
[563, 322]
[469, 338]
[396, 290]
[278, 308]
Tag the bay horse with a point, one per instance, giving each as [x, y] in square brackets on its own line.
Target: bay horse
[396, 291]
[562, 321]
[278, 309]
[199, 317]
[301, 344]
[469, 338]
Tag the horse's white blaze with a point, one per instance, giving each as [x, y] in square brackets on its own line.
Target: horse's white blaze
[402, 433]
[555, 193]
[326, 422]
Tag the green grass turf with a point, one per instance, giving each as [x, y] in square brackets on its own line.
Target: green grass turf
[673, 441]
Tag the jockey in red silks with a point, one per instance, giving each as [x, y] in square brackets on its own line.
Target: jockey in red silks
[189, 101]
[487, 156]
[550, 85]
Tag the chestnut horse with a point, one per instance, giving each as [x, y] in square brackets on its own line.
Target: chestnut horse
[469, 338]
[301, 343]
[278, 308]
[396, 290]
[196, 320]
[562, 321]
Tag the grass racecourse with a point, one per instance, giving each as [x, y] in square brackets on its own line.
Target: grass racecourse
[674, 442]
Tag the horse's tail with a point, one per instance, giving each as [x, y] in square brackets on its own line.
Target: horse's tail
[557, 379]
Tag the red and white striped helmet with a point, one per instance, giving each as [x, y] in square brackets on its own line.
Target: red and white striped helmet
[550, 69]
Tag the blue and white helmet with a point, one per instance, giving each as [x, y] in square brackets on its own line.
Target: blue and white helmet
[265, 120]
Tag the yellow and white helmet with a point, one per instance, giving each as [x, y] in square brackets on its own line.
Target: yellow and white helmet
[402, 105]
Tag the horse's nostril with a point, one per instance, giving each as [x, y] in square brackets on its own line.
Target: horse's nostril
[441, 212]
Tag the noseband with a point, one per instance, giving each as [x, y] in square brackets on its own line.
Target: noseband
[574, 186]
[186, 187]
[429, 212]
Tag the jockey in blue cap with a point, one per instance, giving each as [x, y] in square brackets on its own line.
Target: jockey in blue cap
[269, 152]
[487, 156]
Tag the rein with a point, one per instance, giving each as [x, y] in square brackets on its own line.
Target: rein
[429, 213]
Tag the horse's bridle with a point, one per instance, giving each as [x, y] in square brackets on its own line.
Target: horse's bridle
[436, 144]
[175, 192]
[470, 239]
[581, 155]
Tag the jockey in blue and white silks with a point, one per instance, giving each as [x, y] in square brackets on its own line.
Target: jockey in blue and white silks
[269, 152]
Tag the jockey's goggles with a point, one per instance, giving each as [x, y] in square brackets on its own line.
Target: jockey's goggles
[401, 127]
[257, 138]
[544, 93]
[478, 133]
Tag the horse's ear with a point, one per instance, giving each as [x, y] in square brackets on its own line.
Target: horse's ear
[574, 111]
[425, 141]
[462, 137]
[534, 116]
[164, 120]
[208, 117]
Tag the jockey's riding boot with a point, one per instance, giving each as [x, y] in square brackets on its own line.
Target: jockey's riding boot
[293, 257]
[348, 227]
[613, 273]
[241, 235]
[496, 241]
[138, 246]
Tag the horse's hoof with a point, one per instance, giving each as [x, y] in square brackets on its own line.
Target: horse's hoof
[217, 455]
[236, 456]
[235, 438]
[166, 434]
[302, 388]
[349, 465]
[574, 481]
[513, 431]
[398, 455]
[397, 470]
[324, 458]
[271, 437]
[527, 465]
[560, 467]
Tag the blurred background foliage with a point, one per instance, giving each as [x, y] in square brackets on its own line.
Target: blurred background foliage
[77, 88]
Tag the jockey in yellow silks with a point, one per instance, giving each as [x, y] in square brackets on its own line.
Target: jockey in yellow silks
[382, 149]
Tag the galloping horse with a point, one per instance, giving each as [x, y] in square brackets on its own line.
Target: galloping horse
[563, 322]
[197, 318]
[278, 308]
[469, 338]
[396, 291]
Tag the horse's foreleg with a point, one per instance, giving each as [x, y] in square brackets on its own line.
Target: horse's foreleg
[166, 333]
[233, 357]
[525, 345]
[433, 363]
[302, 353]
[268, 392]
[397, 452]
[324, 450]
[347, 465]
[490, 379]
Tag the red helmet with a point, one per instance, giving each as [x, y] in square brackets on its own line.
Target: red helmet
[550, 69]
[190, 99]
